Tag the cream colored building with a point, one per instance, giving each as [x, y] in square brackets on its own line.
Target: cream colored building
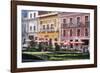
[48, 26]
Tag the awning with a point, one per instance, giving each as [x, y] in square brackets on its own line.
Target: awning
[66, 43]
[77, 42]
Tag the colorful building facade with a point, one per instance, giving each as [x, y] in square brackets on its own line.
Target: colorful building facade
[60, 26]
[48, 26]
[75, 27]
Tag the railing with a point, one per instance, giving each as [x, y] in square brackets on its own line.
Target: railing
[48, 30]
[80, 24]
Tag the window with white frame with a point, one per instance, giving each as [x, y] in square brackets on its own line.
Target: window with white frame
[30, 28]
[30, 15]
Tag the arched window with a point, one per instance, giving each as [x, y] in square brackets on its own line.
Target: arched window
[78, 20]
[71, 21]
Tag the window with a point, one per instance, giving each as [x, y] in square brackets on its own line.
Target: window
[86, 32]
[43, 27]
[30, 28]
[34, 28]
[64, 21]
[86, 18]
[71, 21]
[78, 20]
[78, 32]
[64, 32]
[30, 15]
[71, 32]
[47, 26]
[51, 26]
[34, 15]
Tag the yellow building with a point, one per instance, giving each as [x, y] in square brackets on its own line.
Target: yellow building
[48, 26]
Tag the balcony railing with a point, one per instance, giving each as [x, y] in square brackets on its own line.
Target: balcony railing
[49, 30]
[80, 24]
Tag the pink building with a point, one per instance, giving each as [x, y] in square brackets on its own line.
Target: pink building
[75, 27]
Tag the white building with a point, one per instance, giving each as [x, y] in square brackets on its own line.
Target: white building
[32, 24]
[29, 27]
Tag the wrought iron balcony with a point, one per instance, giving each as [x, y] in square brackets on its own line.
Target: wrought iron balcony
[63, 25]
[47, 30]
[80, 24]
